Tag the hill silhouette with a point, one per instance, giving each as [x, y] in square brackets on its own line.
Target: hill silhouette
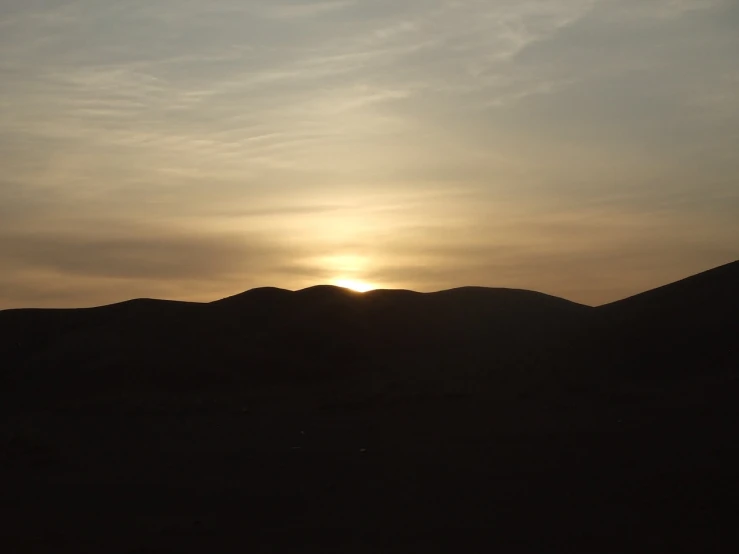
[315, 326]
[689, 325]
[329, 420]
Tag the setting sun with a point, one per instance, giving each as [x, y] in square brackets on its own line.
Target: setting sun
[357, 286]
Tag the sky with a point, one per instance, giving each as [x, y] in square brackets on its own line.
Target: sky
[191, 150]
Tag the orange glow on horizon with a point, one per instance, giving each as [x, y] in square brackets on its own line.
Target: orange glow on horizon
[358, 286]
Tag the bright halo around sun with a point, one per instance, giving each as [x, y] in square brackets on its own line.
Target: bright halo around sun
[358, 286]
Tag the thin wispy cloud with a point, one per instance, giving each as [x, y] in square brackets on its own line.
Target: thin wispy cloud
[291, 10]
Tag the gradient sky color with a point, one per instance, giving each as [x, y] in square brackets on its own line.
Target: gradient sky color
[191, 150]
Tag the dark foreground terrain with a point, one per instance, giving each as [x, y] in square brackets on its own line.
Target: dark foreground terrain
[329, 421]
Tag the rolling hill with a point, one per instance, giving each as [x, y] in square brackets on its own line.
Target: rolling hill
[272, 336]
[326, 420]
[689, 325]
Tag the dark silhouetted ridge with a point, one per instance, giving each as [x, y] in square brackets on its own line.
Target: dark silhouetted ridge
[261, 294]
[322, 419]
[274, 335]
[326, 291]
[716, 288]
[687, 325]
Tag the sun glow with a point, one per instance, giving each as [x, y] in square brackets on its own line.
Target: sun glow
[358, 286]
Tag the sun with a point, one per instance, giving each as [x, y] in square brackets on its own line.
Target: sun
[358, 286]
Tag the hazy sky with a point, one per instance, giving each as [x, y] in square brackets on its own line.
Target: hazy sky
[193, 149]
